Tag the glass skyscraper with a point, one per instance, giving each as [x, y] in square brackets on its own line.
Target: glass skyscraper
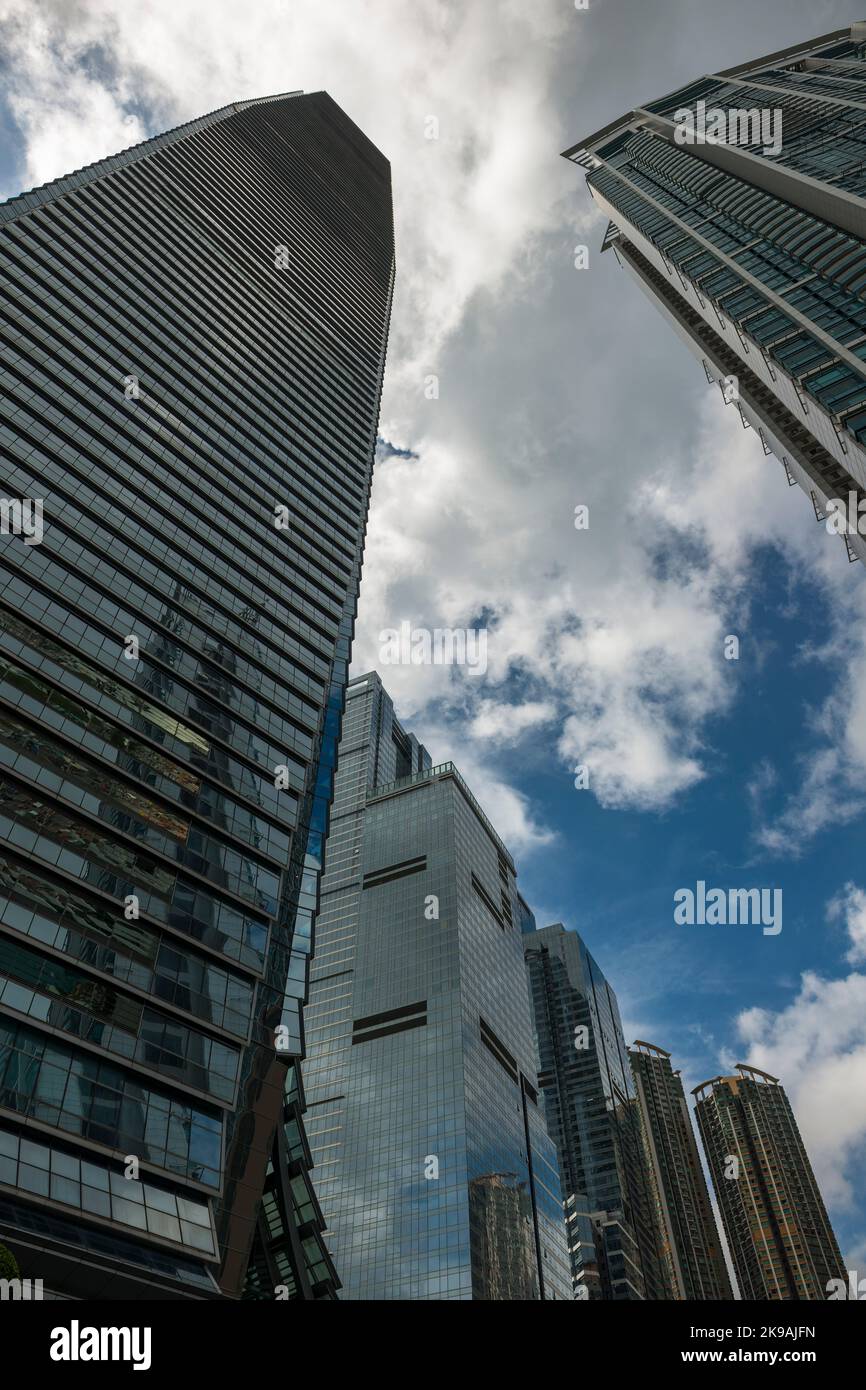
[779, 1234]
[691, 1244]
[193, 338]
[434, 1169]
[592, 1114]
[738, 203]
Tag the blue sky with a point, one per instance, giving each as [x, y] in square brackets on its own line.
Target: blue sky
[560, 387]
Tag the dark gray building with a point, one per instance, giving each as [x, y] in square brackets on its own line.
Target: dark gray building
[192, 339]
[434, 1169]
[690, 1239]
[782, 1244]
[738, 203]
[592, 1113]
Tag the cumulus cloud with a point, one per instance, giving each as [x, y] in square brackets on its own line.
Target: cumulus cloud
[621, 626]
[849, 906]
[506, 722]
[71, 108]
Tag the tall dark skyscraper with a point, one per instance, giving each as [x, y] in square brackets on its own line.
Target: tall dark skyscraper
[592, 1114]
[738, 203]
[779, 1234]
[691, 1244]
[193, 339]
[433, 1166]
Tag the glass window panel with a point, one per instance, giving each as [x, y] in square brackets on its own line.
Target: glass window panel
[196, 1236]
[33, 1179]
[95, 1177]
[65, 1190]
[8, 1144]
[65, 1165]
[161, 1224]
[193, 1211]
[37, 1154]
[96, 1202]
[126, 1188]
[158, 1200]
[130, 1213]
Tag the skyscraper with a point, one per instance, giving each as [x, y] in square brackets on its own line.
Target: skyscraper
[592, 1114]
[738, 203]
[691, 1243]
[193, 339]
[433, 1165]
[780, 1238]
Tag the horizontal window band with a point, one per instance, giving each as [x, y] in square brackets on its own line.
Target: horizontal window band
[420, 1022]
[488, 902]
[192, 469]
[15, 719]
[49, 643]
[499, 1050]
[394, 871]
[15, 869]
[388, 1015]
[95, 625]
[20, 668]
[145, 859]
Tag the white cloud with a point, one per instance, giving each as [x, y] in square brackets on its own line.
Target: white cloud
[850, 905]
[628, 648]
[69, 115]
[505, 722]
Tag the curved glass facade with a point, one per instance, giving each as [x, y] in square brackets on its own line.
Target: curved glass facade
[192, 341]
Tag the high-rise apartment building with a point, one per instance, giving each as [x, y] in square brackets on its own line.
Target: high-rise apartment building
[193, 338]
[691, 1244]
[592, 1114]
[738, 203]
[433, 1166]
[779, 1235]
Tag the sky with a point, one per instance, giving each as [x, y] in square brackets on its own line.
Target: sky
[556, 388]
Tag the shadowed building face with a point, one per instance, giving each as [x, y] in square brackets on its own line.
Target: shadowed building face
[691, 1241]
[778, 1231]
